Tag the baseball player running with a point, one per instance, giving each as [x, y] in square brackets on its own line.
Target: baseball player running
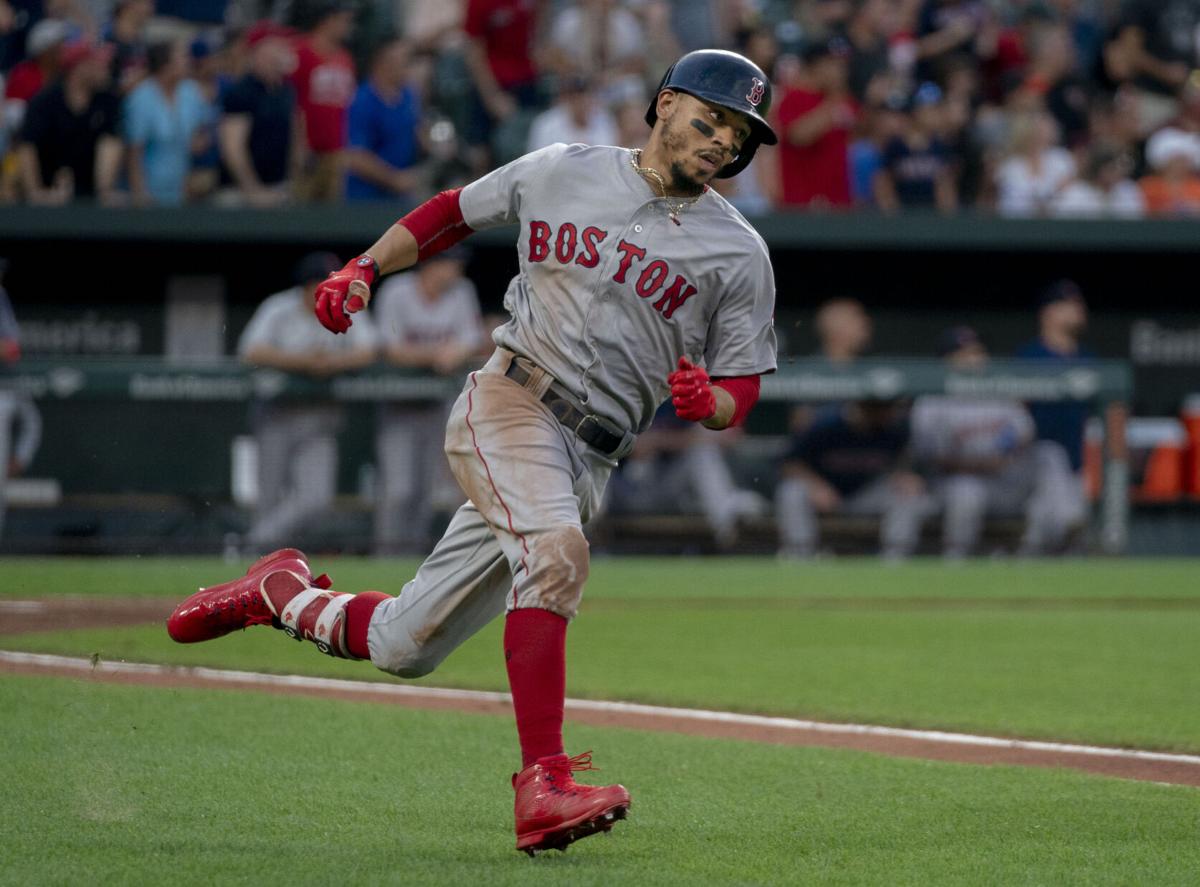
[637, 282]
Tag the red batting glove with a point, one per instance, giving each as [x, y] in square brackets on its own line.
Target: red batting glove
[346, 291]
[691, 392]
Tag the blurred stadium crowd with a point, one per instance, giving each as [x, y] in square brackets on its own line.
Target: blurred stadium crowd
[1023, 107]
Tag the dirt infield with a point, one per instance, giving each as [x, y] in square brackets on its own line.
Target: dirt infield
[65, 613]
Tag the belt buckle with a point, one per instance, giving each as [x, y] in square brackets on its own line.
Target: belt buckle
[595, 420]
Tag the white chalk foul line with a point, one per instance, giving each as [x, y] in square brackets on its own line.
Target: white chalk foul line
[408, 691]
[22, 606]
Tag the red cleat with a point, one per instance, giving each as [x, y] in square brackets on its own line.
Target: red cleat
[553, 810]
[254, 599]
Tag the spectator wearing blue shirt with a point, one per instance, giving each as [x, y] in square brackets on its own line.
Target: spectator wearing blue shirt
[852, 460]
[882, 123]
[384, 145]
[162, 117]
[916, 171]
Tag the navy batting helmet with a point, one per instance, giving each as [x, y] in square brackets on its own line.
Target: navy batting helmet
[731, 81]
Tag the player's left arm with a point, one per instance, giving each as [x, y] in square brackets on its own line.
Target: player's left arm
[741, 347]
[714, 403]
[735, 397]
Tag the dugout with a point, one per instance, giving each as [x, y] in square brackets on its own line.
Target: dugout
[916, 274]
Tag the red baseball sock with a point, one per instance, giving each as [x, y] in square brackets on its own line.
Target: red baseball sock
[535, 652]
[358, 619]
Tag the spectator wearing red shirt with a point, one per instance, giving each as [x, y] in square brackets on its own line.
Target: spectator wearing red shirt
[325, 84]
[499, 54]
[817, 119]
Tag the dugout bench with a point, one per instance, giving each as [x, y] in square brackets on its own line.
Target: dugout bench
[143, 436]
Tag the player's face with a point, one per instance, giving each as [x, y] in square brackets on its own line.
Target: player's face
[1069, 315]
[700, 138]
[970, 357]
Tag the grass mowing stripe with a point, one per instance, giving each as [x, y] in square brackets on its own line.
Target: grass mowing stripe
[116, 784]
[1129, 763]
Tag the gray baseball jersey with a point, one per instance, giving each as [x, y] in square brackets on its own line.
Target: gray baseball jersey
[956, 427]
[611, 292]
[405, 317]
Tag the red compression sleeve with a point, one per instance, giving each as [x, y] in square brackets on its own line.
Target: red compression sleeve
[535, 653]
[744, 390]
[437, 224]
[358, 619]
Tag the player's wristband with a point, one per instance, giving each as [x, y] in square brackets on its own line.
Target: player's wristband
[370, 270]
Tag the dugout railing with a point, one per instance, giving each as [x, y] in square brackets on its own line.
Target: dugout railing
[144, 425]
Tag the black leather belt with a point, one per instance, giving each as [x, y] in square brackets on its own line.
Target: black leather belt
[586, 426]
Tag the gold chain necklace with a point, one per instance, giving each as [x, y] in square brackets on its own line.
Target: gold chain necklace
[675, 205]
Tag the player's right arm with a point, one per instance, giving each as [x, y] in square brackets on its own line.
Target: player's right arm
[435, 225]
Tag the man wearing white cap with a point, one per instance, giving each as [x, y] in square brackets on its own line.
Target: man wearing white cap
[1174, 187]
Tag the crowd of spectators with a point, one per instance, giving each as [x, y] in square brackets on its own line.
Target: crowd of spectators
[1024, 107]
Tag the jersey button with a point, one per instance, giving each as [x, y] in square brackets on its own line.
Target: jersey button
[637, 229]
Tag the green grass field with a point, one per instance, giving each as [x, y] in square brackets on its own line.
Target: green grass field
[118, 784]
[1101, 652]
[130, 785]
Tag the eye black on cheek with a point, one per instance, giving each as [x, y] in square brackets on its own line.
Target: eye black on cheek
[703, 128]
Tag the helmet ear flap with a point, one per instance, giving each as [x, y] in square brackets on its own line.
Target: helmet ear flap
[731, 169]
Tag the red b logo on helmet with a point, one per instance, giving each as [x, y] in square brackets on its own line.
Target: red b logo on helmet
[756, 92]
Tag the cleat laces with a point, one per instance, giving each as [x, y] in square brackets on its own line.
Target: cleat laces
[244, 601]
[562, 770]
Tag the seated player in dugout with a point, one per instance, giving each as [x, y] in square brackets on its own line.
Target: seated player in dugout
[637, 283]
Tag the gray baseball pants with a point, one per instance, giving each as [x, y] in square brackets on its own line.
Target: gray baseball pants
[1038, 484]
[411, 461]
[900, 516]
[518, 541]
[297, 470]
